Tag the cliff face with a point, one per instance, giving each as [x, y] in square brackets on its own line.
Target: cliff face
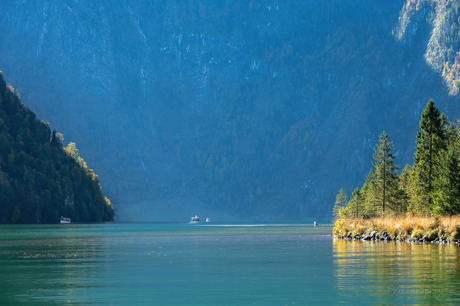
[258, 108]
[443, 48]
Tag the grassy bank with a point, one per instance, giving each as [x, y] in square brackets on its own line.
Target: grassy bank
[420, 229]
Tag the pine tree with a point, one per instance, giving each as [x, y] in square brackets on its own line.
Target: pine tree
[56, 139]
[356, 203]
[406, 188]
[370, 196]
[431, 141]
[385, 172]
[341, 201]
[446, 197]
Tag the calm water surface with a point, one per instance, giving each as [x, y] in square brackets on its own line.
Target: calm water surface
[217, 264]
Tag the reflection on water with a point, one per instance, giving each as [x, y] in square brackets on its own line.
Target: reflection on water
[398, 272]
[40, 262]
[177, 264]
[165, 264]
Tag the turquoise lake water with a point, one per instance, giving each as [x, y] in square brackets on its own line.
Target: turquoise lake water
[217, 264]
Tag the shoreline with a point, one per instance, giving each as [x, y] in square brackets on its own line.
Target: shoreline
[407, 240]
[442, 230]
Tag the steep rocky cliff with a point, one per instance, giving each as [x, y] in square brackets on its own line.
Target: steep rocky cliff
[260, 109]
[443, 48]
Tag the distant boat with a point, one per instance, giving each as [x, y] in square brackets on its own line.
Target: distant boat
[64, 220]
[194, 220]
[208, 219]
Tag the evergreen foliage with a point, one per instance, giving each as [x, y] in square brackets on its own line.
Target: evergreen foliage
[341, 201]
[431, 142]
[430, 187]
[39, 179]
[406, 189]
[385, 172]
[370, 195]
[356, 204]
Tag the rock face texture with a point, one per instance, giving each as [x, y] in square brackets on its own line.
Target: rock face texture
[253, 109]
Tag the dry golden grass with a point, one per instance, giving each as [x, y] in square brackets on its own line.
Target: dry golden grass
[450, 222]
[401, 227]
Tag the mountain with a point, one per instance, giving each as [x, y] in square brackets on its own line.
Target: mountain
[442, 49]
[39, 179]
[229, 109]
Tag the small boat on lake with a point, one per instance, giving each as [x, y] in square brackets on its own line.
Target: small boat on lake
[64, 220]
[195, 220]
[208, 220]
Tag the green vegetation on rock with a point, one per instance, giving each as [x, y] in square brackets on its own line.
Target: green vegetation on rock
[39, 179]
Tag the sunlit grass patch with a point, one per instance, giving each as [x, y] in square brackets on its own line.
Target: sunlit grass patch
[417, 228]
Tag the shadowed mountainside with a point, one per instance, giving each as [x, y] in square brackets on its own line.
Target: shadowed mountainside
[259, 109]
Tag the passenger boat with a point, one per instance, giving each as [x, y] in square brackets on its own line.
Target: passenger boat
[194, 220]
[64, 220]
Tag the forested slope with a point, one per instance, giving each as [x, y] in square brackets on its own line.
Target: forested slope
[39, 179]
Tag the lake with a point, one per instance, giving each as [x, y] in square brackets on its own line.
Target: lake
[218, 264]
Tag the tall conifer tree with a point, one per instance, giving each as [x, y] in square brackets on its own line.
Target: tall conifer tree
[385, 171]
[431, 141]
[356, 204]
[447, 189]
[406, 188]
[370, 197]
[341, 201]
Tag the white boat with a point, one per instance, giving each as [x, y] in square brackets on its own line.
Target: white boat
[64, 220]
[195, 220]
[208, 219]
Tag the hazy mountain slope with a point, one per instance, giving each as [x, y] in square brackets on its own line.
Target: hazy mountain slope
[259, 108]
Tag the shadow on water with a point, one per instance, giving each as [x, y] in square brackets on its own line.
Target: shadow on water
[397, 272]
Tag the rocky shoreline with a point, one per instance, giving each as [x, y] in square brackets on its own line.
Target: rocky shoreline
[385, 237]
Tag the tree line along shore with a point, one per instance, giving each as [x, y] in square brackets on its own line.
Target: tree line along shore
[421, 203]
